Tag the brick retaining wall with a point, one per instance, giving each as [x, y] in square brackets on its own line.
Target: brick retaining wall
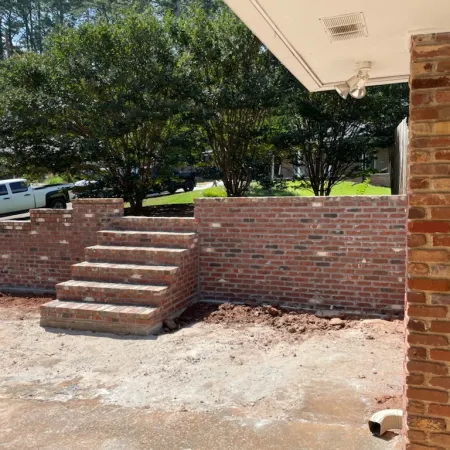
[317, 253]
[38, 253]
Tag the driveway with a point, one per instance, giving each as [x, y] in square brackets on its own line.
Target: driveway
[205, 386]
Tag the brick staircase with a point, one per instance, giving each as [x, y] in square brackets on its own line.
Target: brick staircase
[143, 270]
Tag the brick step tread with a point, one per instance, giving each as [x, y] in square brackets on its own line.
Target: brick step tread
[125, 273]
[172, 239]
[155, 223]
[84, 290]
[124, 248]
[107, 318]
[136, 255]
[180, 234]
[105, 286]
[141, 312]
[158, 219]
[158, 269]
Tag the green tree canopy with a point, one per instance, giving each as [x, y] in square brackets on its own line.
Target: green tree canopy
[236, 85]
[24, 24]
[102, 96]
[128, 90]
[332, 139]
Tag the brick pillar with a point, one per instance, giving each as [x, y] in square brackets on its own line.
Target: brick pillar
[428, 289]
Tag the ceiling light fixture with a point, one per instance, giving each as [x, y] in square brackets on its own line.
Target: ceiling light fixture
[356, 85]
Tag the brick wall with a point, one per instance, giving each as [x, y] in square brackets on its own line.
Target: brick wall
[38, 253]
[339, 252]
[428, 296]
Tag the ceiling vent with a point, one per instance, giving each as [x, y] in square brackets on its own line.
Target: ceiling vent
[348, 26]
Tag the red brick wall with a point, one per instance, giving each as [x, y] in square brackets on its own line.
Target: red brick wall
[428, 297]
[39, 253]
[345, 253]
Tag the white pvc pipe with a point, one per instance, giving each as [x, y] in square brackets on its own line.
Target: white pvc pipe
[388, 419]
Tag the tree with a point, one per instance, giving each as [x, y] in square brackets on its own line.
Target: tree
[102, 96]
[236, 84]
[332, 139]
[176, 7]
[24, 24]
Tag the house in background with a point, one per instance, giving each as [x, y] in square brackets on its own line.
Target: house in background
[381, 164]
[389, 164]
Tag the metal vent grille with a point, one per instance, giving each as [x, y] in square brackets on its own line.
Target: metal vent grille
[348, 26]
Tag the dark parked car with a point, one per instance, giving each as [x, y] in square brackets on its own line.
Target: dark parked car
[180, 180]
[101, 189]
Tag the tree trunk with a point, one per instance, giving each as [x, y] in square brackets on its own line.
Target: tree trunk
[32, 30]
[136, 205]
[177, 8]
[39, 36]
[322, 188]
[2, 50]
[8, 38]
[27, 32]
[61, 13]
[235, 185]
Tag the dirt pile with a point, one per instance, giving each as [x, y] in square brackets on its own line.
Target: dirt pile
[20, 308]
[241, 315]
[27, 302]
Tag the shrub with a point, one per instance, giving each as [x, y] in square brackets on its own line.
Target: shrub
[257, 190]
[55, 179]
[215, 191]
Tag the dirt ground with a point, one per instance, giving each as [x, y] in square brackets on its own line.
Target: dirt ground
[230, 377]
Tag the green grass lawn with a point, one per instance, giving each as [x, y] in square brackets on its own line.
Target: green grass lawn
[346, 188]
[175, 199]
[342, 189]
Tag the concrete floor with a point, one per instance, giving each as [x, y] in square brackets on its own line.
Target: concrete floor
[203, 387]
[84, 425]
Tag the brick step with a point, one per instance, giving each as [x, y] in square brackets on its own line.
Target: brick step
[106, 318]
[147, 238]
[124, 273]
[135, 255]
[101, 292]
[155, 223]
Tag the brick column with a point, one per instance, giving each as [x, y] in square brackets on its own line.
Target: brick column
[428, 288]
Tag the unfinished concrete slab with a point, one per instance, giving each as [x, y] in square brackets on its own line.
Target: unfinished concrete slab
[206, 386]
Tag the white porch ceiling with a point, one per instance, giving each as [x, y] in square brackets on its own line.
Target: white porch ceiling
[294, 32]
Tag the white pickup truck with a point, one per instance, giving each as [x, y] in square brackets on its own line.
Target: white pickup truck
[18, 196]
